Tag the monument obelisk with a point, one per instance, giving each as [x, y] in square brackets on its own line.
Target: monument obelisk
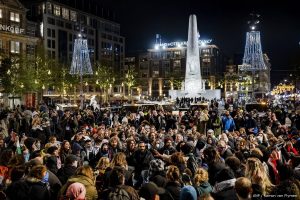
[193, 86]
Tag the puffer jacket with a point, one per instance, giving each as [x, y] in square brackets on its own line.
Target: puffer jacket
[91, 191]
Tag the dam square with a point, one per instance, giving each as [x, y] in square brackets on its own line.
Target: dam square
[149, 100]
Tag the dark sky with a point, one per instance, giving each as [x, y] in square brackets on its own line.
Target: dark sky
[224, 21]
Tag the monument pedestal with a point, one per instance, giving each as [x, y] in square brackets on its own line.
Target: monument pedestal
[207, 94]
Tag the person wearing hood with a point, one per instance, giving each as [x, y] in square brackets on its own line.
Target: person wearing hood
[76, 191]
[33, 187]
[83, 175]
[224, 187]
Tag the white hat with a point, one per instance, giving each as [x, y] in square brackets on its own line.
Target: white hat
[210, 131]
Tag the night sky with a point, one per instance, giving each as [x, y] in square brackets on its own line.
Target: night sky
[224, 21]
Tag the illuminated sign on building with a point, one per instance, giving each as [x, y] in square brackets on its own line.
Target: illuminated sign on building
[181, 44]
[11, 29]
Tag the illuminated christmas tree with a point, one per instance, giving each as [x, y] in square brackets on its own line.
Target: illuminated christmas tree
[81, 64]
[253, 60]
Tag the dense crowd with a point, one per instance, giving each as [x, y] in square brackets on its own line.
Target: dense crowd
[153, 154]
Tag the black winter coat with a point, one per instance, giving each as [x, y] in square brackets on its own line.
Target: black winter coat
[65, 172]
[29, 189]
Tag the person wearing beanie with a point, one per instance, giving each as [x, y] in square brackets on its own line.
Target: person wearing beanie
[76, 191]
[157, 167]
[188, 192]
[224, 187]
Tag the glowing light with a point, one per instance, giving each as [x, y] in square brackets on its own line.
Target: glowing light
[42, 29]
[156, 47]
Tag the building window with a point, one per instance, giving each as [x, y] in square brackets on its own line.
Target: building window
[0, 13]
[14, 47]
[53, 44]
[60, 23]
[1, 44]
[73, 16]
[65, 13]
[177, 54]
[51, 21]
[206, 60]
[56, 10]
[69, 26]
[53, 33]
[15, 17]
[49, 43]
[49, 8]
[91, 32]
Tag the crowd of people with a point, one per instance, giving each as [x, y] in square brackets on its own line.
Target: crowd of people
[198, 154]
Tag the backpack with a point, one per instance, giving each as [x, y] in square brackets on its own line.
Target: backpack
[118, 194]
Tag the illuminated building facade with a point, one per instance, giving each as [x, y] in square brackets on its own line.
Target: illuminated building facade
[254, 84]
[17, 37]
[231, 83]
[60, 22]
[163, 67]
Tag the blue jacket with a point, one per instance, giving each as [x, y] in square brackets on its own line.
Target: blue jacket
[228, 123]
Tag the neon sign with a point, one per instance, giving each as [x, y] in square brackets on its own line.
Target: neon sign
[180, 44]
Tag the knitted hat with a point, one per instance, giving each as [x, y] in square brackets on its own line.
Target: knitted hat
[76, 191]
[188, 192]
[156, 166]
[76, 147]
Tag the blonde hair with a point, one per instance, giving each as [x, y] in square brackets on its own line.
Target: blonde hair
[173, 173]
[85, 171]
[119, 160]
[201, 176]
[103, 163]
[254, 167]
[242, 131]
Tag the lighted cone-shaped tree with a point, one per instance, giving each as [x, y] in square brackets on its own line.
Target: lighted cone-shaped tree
[81, 64]
[253, 57]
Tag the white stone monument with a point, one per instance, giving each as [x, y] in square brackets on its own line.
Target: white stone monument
[194, 86]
